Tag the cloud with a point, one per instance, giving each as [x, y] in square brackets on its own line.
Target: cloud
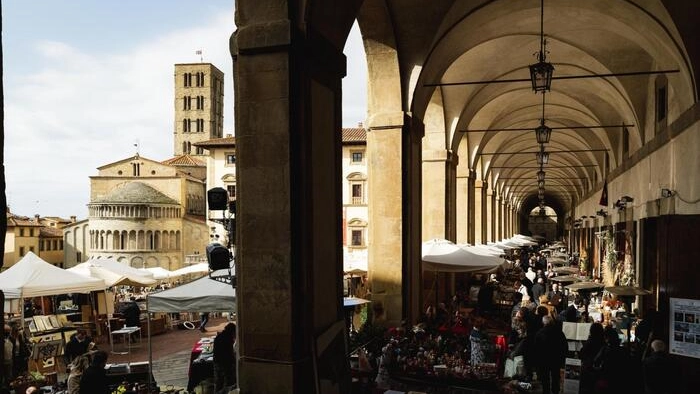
[79, 111]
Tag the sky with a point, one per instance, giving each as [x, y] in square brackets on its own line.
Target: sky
[86, 80]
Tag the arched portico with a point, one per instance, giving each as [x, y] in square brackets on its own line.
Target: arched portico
[288, 66]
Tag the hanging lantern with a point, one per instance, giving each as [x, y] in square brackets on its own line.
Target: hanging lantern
[542, 157]
[543, 133]
[540, 184]
[541, 72]
[540, 175]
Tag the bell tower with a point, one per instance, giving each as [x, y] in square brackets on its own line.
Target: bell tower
[199, 104]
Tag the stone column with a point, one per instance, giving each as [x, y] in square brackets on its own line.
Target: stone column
[435, 186]
[289, 241]
[394, 210]
[479, 230]
[499, 217]
[462, 207]
[471, 208]
[488, 215]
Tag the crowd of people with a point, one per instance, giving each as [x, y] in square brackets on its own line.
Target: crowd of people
[467, 338]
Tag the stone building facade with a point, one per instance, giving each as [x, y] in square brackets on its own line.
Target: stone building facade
[42, 236]
[145, 213]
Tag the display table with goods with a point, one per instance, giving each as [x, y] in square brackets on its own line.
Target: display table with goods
[130, 376]
[437, 360]
[201, 362]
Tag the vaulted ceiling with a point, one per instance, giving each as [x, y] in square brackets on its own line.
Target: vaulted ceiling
[440, 47]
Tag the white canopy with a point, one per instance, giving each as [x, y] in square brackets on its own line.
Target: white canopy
[191, 269]
[34, 277]
[443, 255]
[201, 295]
[119, 267]
[92, 270]
[158, 272]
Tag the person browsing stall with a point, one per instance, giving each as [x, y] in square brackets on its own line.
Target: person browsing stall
[225, 357]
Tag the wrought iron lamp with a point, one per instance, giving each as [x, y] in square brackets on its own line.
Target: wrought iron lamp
[542, 156]
[542, 132]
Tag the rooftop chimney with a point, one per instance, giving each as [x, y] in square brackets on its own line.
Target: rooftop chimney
[72, 219]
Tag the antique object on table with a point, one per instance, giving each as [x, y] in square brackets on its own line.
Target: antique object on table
[585, 289]
[627, 294]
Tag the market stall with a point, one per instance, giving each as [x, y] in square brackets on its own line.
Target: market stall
[33, 277]
[201, 295]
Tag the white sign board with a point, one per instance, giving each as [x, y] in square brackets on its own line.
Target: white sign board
[684, 332]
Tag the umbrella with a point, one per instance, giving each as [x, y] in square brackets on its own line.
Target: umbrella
[585, 285]
[354, 301]
[565, 270]
[627, 291]
[565, 278]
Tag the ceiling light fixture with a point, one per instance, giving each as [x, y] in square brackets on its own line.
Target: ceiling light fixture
[542, 71]
[542, 156]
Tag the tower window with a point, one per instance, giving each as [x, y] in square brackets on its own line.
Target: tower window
[199, 79]
[200, 102]
[200, 125]
[187, 103]
[187, 80]
[186, 126]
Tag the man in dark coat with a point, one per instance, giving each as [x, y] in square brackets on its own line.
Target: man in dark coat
[94, 379]
[132, 314]
[550, 354]
[225, 358]
[538, 290]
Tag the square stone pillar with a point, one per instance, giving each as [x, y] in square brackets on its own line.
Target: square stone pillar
[471, 207]
[394, 214]
[292, 332]
[462, 209]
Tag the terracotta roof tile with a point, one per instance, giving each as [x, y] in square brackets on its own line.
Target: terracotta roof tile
[184, 160]
[354, 134]
[50, 232]
[215, 142]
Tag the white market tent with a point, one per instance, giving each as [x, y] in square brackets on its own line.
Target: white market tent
[119, 267]
[159, 273]
[201, 295]
[191, 269]
[34, 277]
[444, 256]
[111, 278]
